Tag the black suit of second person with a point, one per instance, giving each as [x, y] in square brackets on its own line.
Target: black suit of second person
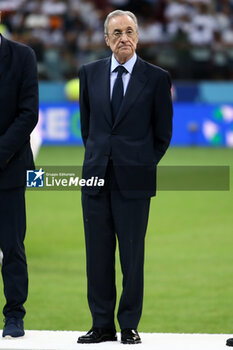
[18, 117]
[125, 153]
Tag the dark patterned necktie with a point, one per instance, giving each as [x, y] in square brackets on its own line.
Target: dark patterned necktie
[117, 92]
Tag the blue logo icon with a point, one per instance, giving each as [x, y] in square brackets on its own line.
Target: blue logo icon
[35, 178]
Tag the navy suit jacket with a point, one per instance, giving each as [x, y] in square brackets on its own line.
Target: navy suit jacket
[18, 111]
[141, 132]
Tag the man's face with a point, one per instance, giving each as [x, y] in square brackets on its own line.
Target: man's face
[122, 45]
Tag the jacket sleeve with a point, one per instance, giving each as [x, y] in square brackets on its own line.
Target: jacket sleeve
[84, 105]
[162, 116]
[18, 133]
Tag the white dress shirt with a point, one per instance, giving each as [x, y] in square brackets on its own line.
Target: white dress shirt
[126, 76]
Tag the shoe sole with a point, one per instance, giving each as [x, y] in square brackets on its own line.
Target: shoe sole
[131, 343]
[229, 343]
[7, 336]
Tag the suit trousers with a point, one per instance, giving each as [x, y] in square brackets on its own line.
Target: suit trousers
[14, 266]
[109, 216]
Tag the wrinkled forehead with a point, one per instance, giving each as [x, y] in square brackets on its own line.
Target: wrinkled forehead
[121, 23]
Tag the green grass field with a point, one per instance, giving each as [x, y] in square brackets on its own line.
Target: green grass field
[189, 259]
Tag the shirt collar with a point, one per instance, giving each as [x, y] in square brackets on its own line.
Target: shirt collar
[127, 65]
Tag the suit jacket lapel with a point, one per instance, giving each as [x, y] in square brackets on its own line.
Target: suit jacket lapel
[102, 77]
[4, 51]
[137, 81]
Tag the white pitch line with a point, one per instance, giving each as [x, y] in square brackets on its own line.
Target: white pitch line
[67, 340]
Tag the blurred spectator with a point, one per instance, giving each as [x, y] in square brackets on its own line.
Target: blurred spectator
[227, 39]
[54, 7]
[193, 39]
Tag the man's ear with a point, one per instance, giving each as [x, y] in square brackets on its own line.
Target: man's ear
[106, 39]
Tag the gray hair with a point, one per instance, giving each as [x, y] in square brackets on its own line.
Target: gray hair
[119, 13]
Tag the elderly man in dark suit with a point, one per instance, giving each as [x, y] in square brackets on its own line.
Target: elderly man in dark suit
[126, 124]
[18, 117]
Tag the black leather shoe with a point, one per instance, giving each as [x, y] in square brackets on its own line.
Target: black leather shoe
[130, 336]
[13, 327]
[229, 342]
[98, 335]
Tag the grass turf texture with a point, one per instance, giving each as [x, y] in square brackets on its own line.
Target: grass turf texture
[188, 263]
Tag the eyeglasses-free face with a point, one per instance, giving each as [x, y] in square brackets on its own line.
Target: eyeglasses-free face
[122, 37]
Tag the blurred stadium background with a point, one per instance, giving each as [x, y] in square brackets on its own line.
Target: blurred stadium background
[189, 265]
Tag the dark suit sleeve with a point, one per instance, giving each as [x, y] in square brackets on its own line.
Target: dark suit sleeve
[84, 105]
[19, 131]
[163, 116]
